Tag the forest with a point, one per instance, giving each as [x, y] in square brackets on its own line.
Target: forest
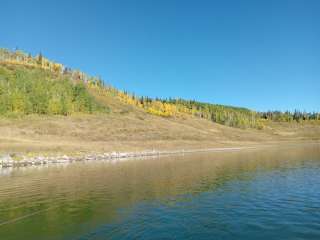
[35, 91]
[35, 85]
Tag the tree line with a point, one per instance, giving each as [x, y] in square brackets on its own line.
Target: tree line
[38, 61]
[36, 85]
[287, 116]
[226, 115]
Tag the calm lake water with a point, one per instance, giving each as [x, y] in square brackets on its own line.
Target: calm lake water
[270, 193]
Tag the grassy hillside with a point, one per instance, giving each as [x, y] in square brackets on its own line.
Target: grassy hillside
[137, 130]
[36, 85]
[46, 107]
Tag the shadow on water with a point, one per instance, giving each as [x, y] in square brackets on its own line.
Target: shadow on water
[96, 199]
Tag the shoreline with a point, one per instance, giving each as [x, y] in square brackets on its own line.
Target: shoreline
[7, 161]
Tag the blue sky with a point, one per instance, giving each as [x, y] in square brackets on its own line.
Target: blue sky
[257, 54]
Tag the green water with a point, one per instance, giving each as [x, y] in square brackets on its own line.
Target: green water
[269, 193]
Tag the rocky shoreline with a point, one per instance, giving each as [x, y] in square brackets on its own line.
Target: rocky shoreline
[8, 161]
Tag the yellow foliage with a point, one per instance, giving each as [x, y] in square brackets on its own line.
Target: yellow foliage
[57, 68]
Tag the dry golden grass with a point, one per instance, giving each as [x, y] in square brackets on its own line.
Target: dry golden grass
[135, 130]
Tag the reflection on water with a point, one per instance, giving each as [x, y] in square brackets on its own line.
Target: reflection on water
[271, 193]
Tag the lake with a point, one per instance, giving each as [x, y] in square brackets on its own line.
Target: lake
[265, 193]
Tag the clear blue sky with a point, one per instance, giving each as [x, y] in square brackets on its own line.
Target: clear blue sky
[257, 54]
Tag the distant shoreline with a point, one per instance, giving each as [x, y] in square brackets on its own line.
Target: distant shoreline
[7, 161]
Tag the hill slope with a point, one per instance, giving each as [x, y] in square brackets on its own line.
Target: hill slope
[46, 107]
[136, 130]
[36, 85]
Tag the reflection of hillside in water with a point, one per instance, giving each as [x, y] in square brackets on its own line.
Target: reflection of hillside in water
[61, 198]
